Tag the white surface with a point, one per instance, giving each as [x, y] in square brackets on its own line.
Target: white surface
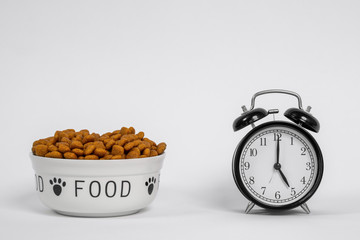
[179, 71]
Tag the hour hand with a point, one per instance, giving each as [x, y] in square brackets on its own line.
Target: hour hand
[284, 178]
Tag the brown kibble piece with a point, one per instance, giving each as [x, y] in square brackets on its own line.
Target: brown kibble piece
[147, 152]
[76, 144]
[153, 153]
[117, 150]
[141, 146]
[70, 130]
[78, 151]
[84, 132]
[115, 132]
[90, 149]
[110, 143]
[57, 135]
[129, 137]
[96, 135]
[129, 146]
[103, 139]
[63, 134]
[88, 144]
[41, 141]
[124, 131]
[140, 135]
[99, 144]
[54, 154]
[149, 141]
[77, 137]
[52, 148]
[108, 134]
[147, 144]
[133, 154]
[59, 143]
[161, 148]
[63, 148]
[107, 157]
[100, 152]
[116, 136]
[137, 142]
[70, 155]
[50, 141]
[41, 150]
[88, 138]
[65, 139]
[131, 130]
[91, 157]
[137, 150]
[70, 133]
[121, 142]
[117, 157]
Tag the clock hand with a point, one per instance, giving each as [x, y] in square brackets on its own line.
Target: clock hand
[272, 175]
[277, 165]
[278, 150]
[284, 178]
[277, 159]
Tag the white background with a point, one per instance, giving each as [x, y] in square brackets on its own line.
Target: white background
[180, 71]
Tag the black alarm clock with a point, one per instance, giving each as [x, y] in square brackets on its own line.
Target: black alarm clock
[278, 164]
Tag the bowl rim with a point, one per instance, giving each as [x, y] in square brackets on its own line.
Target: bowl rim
[98, 160]
[134, 166]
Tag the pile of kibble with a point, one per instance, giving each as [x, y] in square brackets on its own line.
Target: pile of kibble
[119, 144]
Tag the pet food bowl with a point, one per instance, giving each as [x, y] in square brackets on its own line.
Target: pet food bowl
[97, 188]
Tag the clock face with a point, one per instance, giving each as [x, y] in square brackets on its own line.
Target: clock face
[278, 165]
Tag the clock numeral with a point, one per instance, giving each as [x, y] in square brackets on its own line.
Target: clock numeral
[263, 188]
[251, 180]
[277, 136]
[293, 192]
[262, 141]
[292, 141]
[247, 165]
[303, 150]
[303, 180]
[308, 166]
[277, 195]
[253, 152]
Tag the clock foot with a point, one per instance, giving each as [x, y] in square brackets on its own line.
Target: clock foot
[249, 207]
[305, 208]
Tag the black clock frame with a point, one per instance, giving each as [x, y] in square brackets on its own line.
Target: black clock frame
[245, 191]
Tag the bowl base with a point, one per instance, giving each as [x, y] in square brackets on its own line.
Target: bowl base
[117, 214]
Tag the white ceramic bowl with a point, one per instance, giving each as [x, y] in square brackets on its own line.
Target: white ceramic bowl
[97, 188]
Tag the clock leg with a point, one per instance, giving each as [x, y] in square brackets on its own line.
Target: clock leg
[249, 207]
[305, 208]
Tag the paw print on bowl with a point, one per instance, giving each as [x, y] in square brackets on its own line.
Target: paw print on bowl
[150, 185]
[58, 184]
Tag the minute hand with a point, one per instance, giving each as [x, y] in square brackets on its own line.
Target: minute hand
[277, 165]
[278, 151]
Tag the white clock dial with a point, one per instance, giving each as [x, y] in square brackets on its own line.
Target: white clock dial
[278, 165]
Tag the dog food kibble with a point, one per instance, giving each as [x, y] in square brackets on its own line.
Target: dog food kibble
[119, 144]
